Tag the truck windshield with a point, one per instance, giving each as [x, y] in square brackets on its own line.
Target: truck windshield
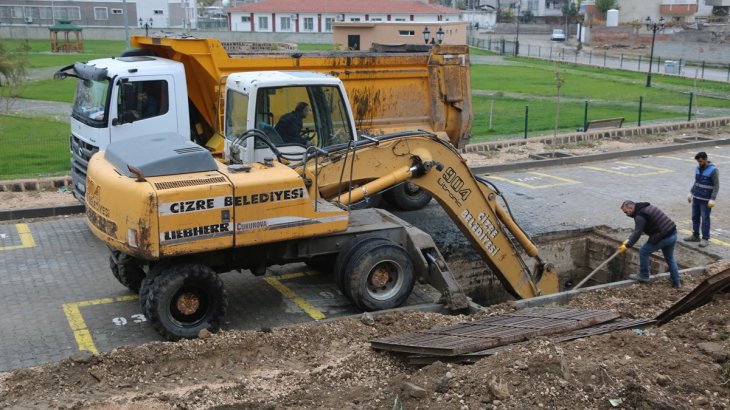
[91, 102]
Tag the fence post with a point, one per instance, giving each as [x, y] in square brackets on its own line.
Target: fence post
[551, 53]
[562, 55]
[590, 57]
[728, 72]
[585, 116]
[539, 52]
[639, 69]
[680, 67]
[491, 115]
[576, 58]
[527, 111]
[689, 113]
[621, 64]
[604, 59]
[489, 42]
[703, 69]
[528, 49]
[641, 103]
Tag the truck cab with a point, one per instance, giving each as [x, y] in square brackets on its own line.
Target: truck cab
[294, 109]
[122, 98]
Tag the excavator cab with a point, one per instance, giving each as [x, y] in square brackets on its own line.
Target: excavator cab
[294, 110]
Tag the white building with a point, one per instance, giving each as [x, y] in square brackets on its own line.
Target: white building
[316, 16]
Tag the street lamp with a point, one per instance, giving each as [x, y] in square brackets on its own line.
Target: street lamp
[653, 26]
[440, 35]
[146, 24]
[426, 35]
[517, 40]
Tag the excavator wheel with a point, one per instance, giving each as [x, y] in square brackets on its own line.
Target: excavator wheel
[380, 275]
[127, 272]
[344, 256]
[181, 300]
[408, 197]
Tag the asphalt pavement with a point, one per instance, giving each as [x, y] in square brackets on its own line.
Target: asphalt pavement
[62, 298]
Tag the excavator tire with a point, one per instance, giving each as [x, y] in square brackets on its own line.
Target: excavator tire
[344, 256]
[408, 197]
[380, 275]
[181, 300]
[128, 273]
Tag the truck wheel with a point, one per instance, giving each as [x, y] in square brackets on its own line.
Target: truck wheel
[126, 270]
[348, 249]
[380, 276]
[408, 197]
[184, 299]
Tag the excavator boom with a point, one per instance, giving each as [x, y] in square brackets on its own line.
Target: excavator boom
[351, 173]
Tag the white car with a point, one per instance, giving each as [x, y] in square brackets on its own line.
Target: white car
[558, 35]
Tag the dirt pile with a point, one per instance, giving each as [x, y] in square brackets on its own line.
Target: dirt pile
[331, 366]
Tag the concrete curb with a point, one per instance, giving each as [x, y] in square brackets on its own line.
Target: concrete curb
[518, 166]
[14, 214]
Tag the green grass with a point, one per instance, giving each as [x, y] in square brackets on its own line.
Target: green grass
[50, 90]
[610, 93]
[41, 56]
[33, 147]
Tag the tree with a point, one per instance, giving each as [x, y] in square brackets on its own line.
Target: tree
[13, 68]
[605, 5]
[205, 3]
[570, 13]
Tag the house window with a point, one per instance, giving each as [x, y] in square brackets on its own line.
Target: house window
[354, 18]
[328, 23]
[117, 11]
[376, 19]
[285, 24]
[308, 24]
[46, 13]
[400, 19]
[67, 13]
[263, 23]
[245, 19]
[406, 33]
[158, 12]
[101, 13]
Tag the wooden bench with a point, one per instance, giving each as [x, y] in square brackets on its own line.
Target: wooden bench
[607, 123]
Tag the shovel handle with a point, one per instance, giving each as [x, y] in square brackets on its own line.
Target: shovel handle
[590, 275]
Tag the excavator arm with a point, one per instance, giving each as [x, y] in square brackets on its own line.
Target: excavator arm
[348, 174]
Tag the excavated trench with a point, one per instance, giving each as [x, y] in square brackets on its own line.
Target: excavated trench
[575, 253]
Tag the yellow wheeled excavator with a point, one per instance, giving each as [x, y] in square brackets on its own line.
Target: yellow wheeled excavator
[174, 216]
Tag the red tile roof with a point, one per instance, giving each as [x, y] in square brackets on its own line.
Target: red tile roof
[344, 6]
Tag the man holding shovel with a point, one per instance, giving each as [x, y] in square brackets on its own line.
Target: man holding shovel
[662, 233]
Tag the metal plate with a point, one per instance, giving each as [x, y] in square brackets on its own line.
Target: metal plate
[493, 331]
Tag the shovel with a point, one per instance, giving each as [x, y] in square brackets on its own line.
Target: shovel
[590, 275]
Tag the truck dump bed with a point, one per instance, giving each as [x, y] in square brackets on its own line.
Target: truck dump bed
[388, 91]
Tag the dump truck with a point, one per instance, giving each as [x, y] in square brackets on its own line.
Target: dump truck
[174, 84]
[175, 216]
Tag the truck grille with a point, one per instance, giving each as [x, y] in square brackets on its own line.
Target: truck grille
[81, 153]
[189, 182]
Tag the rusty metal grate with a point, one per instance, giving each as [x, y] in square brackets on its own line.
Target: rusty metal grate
[607, 327]
[493, 331]
[189, 182]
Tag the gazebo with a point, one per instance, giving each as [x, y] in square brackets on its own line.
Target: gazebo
[66, 45]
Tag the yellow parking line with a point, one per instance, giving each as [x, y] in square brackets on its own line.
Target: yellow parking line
[657, 170]
[677, 158]
[78, 324]
[712, 240]
[275, 282]
[564, 181]
[26, 239]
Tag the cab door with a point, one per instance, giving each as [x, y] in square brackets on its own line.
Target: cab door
[143, 105]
